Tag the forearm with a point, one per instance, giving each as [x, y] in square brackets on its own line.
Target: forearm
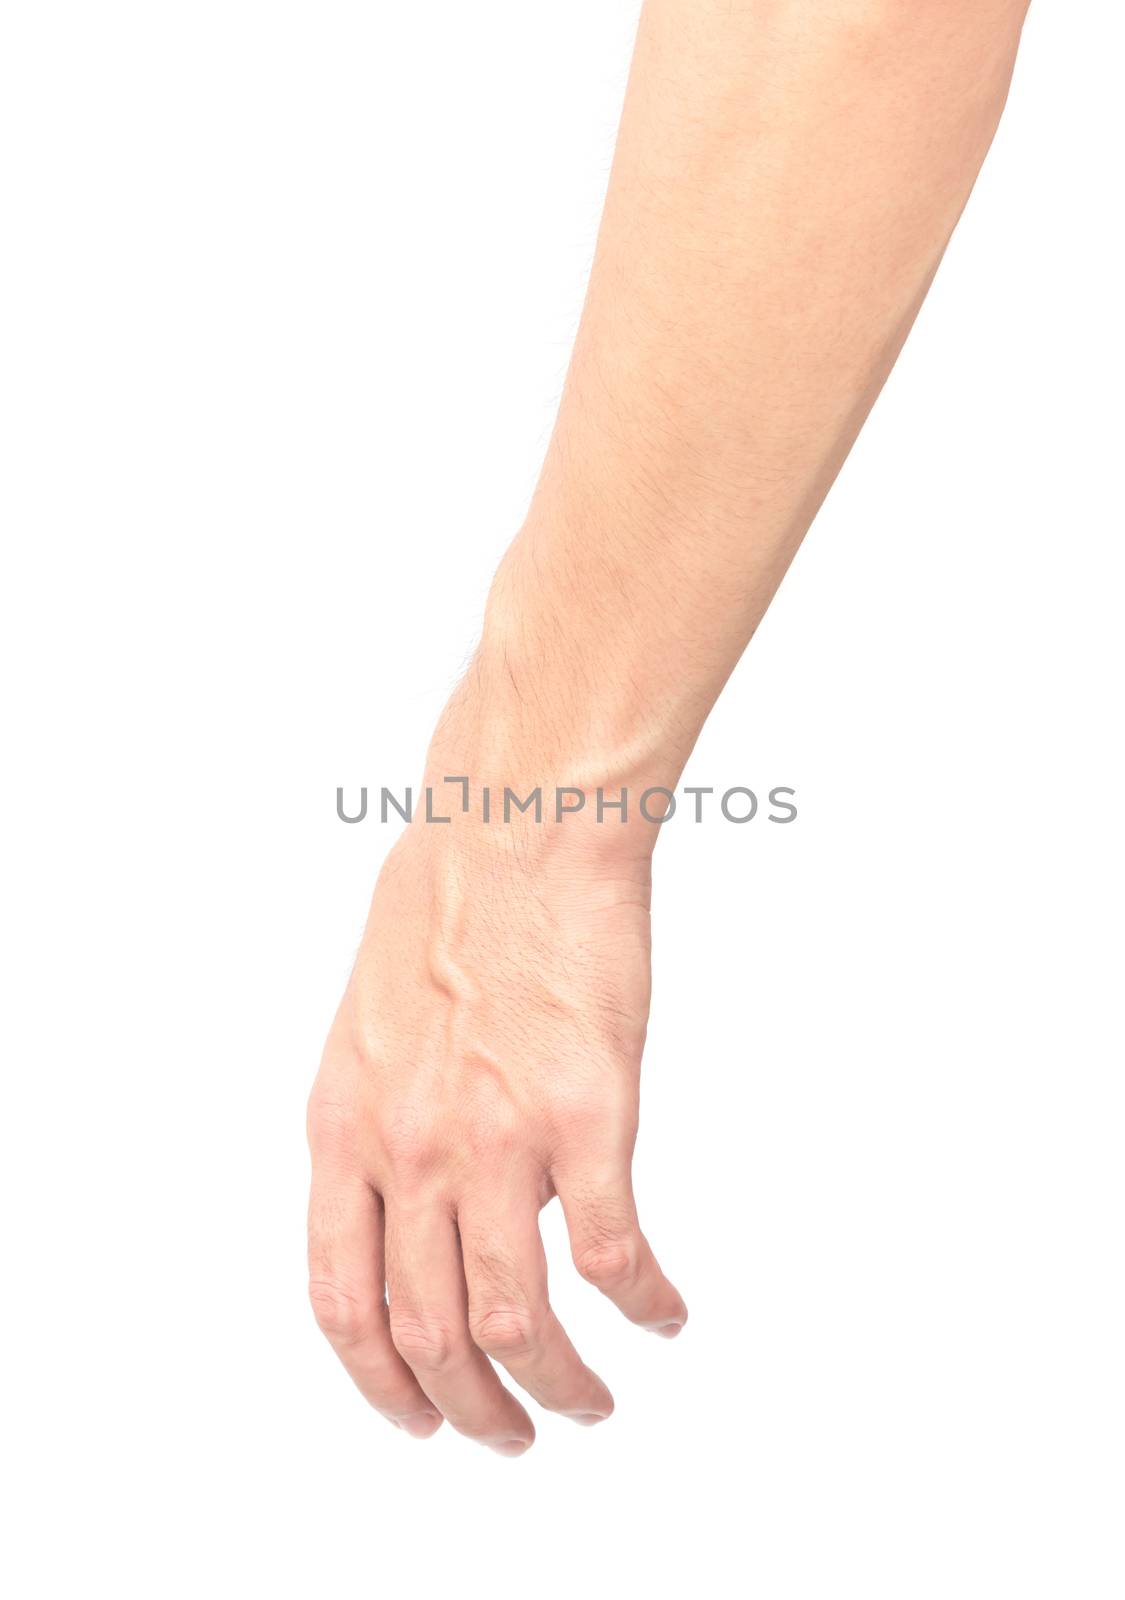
[787, 176]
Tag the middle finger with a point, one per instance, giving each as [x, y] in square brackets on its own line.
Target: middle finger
[430, 1328]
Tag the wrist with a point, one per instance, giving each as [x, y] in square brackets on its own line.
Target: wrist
[576, 679]
[537, 776]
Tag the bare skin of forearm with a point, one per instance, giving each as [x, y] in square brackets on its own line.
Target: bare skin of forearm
[786, 179]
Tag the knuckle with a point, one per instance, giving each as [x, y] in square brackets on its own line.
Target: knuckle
[488, 1143]
[422, 1342]
[607, 1265]
[409, 1142]
[505, 1333]
[338, 1314]
[330, 1120]
[581, 1112]
[489, 1114]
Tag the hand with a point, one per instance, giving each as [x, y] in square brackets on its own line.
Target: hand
[485, 1058]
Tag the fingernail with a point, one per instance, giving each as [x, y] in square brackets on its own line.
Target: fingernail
[421, 1424]
[669, 1330]
[587, 1419]
[512, 1447]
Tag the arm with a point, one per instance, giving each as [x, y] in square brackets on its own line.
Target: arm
[787, 176]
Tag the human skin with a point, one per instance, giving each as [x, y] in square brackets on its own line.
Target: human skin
[787, 176]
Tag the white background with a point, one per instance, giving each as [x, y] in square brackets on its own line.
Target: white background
[288, 295]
